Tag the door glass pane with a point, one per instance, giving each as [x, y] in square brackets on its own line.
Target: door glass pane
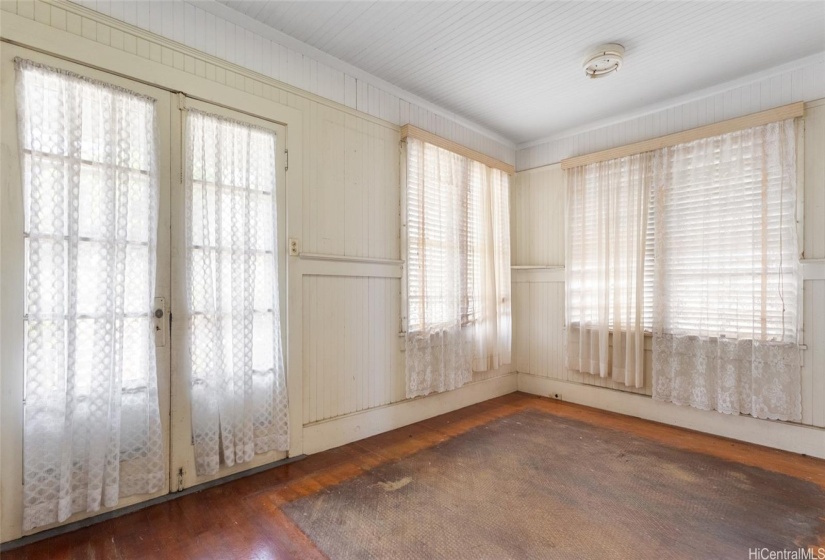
[239, 401]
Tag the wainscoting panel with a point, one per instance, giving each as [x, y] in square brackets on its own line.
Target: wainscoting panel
[352, 352]
[537, 224]
[813, 369]
[539, 334]
[351, 197]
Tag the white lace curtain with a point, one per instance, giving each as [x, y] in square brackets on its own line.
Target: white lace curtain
[726, 320]
[92, 424]
[608, 262]
[239, 398]
[458, 269]
[722, 294]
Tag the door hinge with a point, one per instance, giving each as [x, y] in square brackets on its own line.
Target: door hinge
[180, 479]
[286, 153]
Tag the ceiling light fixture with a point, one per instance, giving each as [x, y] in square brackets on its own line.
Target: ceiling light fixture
[604, 60]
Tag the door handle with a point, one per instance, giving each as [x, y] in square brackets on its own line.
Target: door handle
[160, 326]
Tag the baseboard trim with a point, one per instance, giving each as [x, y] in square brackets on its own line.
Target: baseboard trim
[806, 440]
[335, 432]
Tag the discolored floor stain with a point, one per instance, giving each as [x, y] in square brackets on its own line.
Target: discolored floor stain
[536, 485]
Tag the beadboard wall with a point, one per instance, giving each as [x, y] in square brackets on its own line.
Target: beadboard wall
[538, 208]
[242, 41]
[538, 222]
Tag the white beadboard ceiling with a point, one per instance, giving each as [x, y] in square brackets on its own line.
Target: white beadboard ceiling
[516, 67]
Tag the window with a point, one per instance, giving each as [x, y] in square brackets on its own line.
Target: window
[457, 269]
[90, 180]
[727, 283]
[698, 242]
[608, 267]
[726, 242]
[441, 256]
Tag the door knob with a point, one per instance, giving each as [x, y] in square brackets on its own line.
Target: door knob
[158, 313]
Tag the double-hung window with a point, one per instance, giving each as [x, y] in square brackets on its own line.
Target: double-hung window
[457, 268]
[727, 284]
[697, 244]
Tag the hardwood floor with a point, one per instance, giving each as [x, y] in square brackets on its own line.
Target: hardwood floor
[244, 519]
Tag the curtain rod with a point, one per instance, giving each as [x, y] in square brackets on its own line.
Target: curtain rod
[409, 130]
[724, 127]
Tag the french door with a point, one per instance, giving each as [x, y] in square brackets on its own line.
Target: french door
[85, 254]
[228, 380]
[220, 207]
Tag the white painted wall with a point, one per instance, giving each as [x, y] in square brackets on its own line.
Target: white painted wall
[538, 293]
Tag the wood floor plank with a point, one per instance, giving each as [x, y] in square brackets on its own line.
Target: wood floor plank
[244, 518]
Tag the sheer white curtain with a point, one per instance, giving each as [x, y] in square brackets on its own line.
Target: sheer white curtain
[458, 269]
[491, 326]
[239, 398]
[92, 424]
[608, 262]
[726, 321]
